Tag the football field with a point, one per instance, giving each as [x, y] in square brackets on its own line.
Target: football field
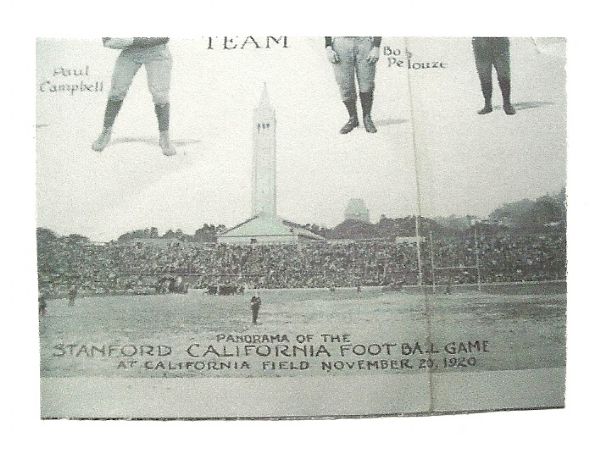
[310, 332]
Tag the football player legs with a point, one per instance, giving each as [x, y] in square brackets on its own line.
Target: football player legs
[365, 75]
[124, 71]
[493, 52]
[483, 63]
[355, 58]
[501, 61]
[344, 71]
[158, 69]
[158, 62]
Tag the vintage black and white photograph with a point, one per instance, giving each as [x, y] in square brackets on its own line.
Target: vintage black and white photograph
[341, 226]
[153, 54]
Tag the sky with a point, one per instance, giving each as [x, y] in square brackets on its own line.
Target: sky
[429, 135]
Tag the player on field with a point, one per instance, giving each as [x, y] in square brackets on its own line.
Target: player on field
[42, 305]
[255, 303]
[355, 56]
[153, 53]
[72, 295]
[493, 52]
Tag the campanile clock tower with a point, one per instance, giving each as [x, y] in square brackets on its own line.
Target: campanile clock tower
[264, 192]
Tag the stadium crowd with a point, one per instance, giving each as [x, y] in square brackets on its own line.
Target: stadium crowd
[136, 267]
[502, 257]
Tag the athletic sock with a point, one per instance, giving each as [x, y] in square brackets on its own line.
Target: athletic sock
[505, 89]
[112, 109]
[351, 107]
[162, 114]
[366, 101]
[486, 89]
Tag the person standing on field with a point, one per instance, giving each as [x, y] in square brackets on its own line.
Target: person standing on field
[255, 303]
[72, 295]
[42, 305]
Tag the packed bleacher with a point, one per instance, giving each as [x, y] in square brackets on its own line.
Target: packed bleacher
[137, 266]
[502, 257]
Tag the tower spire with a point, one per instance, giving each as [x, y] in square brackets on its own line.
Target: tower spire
[264, 195]
[264, 101]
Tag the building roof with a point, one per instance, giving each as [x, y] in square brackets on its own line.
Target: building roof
[269, 226]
